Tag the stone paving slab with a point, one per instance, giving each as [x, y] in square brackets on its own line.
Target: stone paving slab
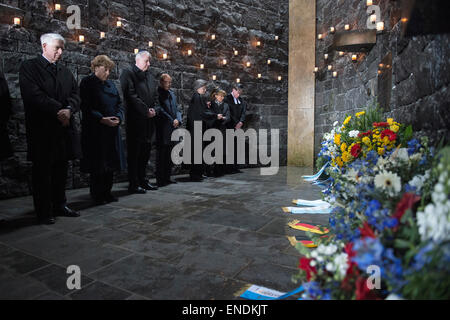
[188, 240]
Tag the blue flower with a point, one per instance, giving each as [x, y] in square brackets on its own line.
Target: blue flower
[413, 146]
[368, 252]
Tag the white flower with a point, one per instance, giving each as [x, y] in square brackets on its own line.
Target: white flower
[330, 267]
[394, 296]
[335, 123]
[400, 154]
[388, 181]
[418, 181]
[341, 262]
[313, 263]
[353, 133]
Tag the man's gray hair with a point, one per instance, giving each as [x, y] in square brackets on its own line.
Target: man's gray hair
[49, 37]
[140, 54]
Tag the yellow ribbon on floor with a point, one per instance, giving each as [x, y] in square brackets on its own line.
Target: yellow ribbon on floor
[295, 224]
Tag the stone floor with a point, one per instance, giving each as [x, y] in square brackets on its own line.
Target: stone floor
[185, 241]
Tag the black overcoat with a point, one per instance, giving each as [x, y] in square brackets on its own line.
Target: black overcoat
[237, 111]
[139, 94]
[44, 93]
[102, 146]
[167, 114]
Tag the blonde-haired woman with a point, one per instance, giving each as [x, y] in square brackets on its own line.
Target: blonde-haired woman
[102, 114]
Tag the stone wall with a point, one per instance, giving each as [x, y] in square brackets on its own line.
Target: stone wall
[420, 71]
[238, 25]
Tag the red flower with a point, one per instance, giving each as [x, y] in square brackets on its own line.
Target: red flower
[407, 202]
[381, 124]
[363, 292]
[356, 150]
[388, 133]
[352, 271]
[306, 266]
[364, 134]
[366, 231]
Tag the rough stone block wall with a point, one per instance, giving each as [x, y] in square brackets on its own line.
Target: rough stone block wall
[236, 24]
[420, 71]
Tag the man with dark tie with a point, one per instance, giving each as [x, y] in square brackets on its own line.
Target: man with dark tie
[238, 108]
[168, 120]
[50, 96]
[141, 99]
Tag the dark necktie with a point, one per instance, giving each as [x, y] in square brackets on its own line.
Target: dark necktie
[53, 68]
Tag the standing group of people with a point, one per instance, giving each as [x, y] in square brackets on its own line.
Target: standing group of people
[52, 96]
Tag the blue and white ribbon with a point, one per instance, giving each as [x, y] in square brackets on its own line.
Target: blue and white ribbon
[311, 210]
[310, 203]
[317, 175]
[262, 293]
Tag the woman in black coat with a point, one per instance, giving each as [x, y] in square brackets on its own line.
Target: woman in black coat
[102, 112]
[196, 113]
[217, 117]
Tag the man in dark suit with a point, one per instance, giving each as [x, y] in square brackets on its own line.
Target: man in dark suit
[168, 120]
[238, 108]
[141, 98]
[50, 95]
[5, 113]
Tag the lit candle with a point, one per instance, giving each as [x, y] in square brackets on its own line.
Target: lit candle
[404, 20]
[202, 66]
[341, 53]
[279, 78]
[332, 29]
[236, 52]
[189, 52]
[81, 38]
[325, 56]
[276, 38]
[238, 80]
[269, 62]
[369, 2]
[248, 64]
[119, 24]
[354, 57]
[224, 61]
[380, 72]
[17, 21]
[102, 35]
[347, 27]
[213, 37]
[164, 56]
[373, 18]
[330, 67]
[178, 40]
[136, 51]
[150, 44]
[319, 36]
[316, 69]
[381, 65]
[258, 43]
[259, 75]
[214, 77]
[380, 26]
[335, 74]
[57, 7]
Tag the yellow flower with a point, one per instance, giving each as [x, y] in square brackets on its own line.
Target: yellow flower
[386, 141]
[347, 120]
[339, 161]
[343, 147]
[337, 139]
[359, 114]
[390, 121]
[346, 157]
[381, 151]
[366, 141]
[394, 128]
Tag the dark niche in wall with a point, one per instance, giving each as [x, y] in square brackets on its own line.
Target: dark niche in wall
[385, 82]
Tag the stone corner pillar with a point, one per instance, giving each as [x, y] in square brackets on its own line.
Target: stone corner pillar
[302, 41]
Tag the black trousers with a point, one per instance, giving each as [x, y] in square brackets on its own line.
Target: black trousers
[101, 185]
[233, 167]
[164, 163]
[49, 186]
[137, 158]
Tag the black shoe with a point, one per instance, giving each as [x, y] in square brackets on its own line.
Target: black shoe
[49, 220]
[161, 184]
[111, 198]
[148, 186]
[137, 190]
[196, 178]
[170, 181]
[66, 212]
[99, 201]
